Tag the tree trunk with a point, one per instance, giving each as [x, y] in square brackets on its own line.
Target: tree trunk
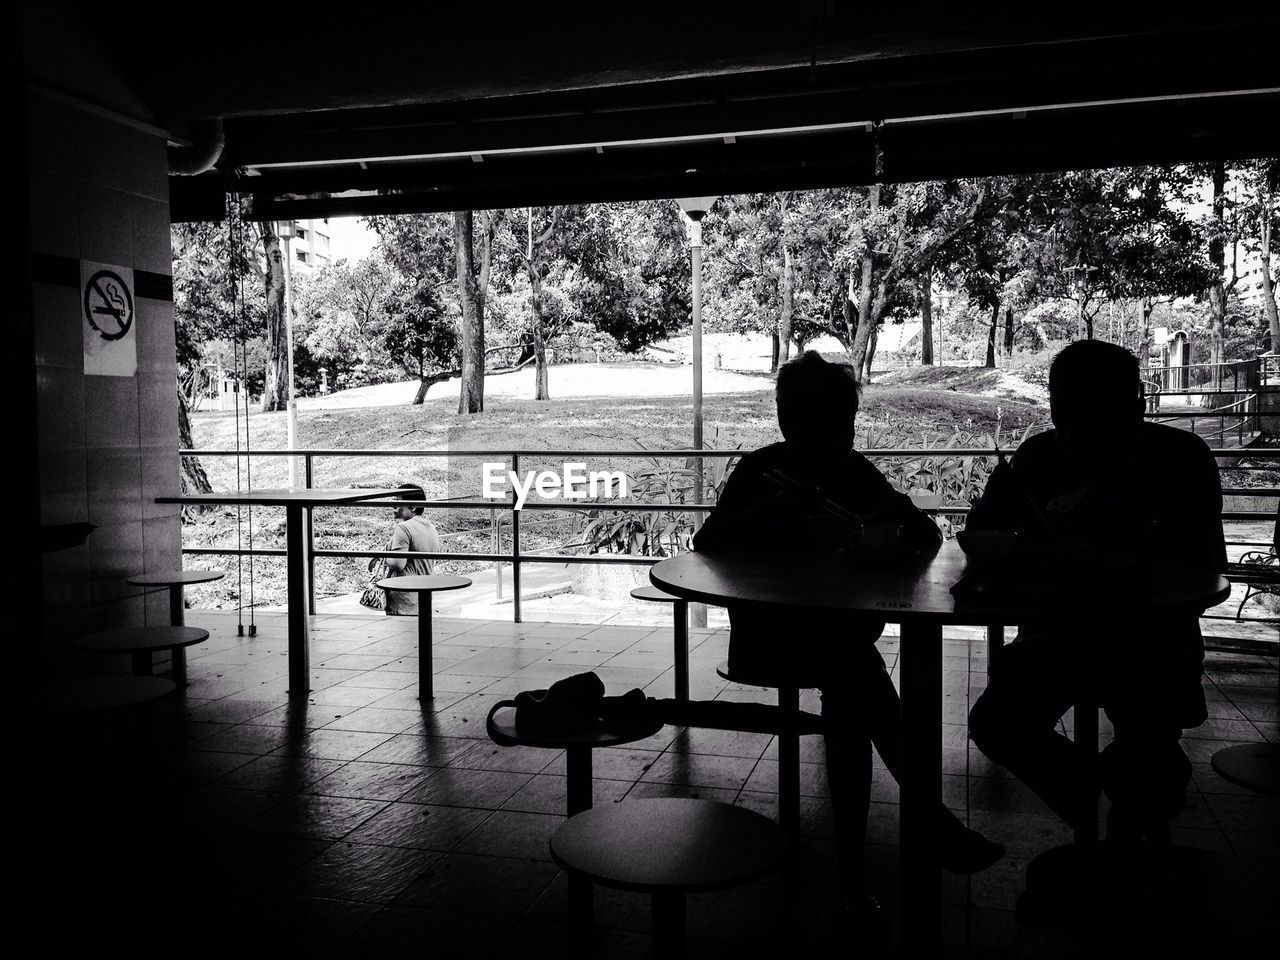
[542, 390]
[275, 387]
[472, 289]
[424, 385]
[867, 316]
[1144, 344]
[775, 352]
[191, 475]
[926, 318]
[783, 340]
[871, 353]
[1268, 282]
[1008, 331]
[1218, 288]
[991, 337]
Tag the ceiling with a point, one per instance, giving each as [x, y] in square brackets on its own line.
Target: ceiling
[476, 108]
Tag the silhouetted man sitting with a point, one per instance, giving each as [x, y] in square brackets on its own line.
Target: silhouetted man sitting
[1108, 483]
[800, 495]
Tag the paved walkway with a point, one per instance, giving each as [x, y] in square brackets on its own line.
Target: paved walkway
[363, 822]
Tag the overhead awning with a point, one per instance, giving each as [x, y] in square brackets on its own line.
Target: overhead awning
[948, 108]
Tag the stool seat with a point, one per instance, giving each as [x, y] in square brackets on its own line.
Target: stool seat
[772, 679]
[1254, 766]
[669, 845]
[174, 578]
[650, 592]
[418, 584]
[421, 585]
[89, 695]
[503, 731]
[141, 639]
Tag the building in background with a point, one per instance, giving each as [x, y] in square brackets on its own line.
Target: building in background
[311, 248]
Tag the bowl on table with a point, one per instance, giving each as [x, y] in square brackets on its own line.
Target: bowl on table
[988, 544]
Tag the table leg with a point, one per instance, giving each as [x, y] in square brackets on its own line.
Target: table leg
[668, 924]
[178, 618]
[920, 657]
[299, 639]
[577, 761]
[177, 607]
[681, 612]
[789, 762]
[142, 663]
[1085, 734]
[425, 687]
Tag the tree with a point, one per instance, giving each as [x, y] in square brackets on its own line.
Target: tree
[894, 232]
[1097, 237]
[1261, 217]
[473, 287]
[341, 314]
[275, 393]
[211, 303]
[418, 334]
[534, 255]
[631, 265]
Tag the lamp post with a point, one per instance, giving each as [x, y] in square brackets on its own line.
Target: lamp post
[286, 230]
[695, 208]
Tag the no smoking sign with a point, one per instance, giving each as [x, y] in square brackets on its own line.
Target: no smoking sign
[107, 320]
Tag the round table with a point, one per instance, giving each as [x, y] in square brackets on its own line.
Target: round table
[142, 642]
[175, 580]
[424, 587]
[915, 592]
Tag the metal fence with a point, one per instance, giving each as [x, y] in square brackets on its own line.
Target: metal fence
[516, 557]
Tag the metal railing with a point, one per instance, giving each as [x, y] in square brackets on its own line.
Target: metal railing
[1244, 411]
[1209, 378]
[516, 557]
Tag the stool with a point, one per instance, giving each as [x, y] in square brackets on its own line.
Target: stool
[86, 696]
[176, 580]
[142, 643]
[577, 747]
[788, 739]
[424, 587]
[1254, 766]
[680, 612]
[668, 848]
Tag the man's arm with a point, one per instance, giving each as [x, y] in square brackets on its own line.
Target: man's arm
[743, 507]
[1205, 542]
[399, 541]
[887, 505]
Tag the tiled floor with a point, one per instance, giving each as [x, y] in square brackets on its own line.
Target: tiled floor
[363, 823]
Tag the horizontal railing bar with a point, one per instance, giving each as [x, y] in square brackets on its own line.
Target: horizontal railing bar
[485, 557]
[504, 454]
[1262, 453]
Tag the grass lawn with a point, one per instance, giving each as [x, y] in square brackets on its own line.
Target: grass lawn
[892, 415]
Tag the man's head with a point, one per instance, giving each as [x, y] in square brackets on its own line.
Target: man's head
[411, 492]
[1095, 396]
[817, 404]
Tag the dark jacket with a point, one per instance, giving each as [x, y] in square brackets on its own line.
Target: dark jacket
[752, 514]
[1162, 503]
